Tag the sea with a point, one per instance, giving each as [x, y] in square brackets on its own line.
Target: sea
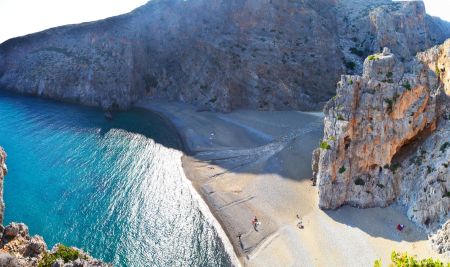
[114, 188]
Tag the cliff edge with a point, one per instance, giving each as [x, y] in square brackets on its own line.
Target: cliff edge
[219, 55]
[386, 138]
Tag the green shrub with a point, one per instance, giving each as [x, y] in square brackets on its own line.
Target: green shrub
[324, 145]
[390, 104]
[407, 86]
[62, 252]
[403, 260]
[357, 52]
[350, 65]
[444, 147]
[373, 57]
[389, 74]
[340, 117]
[380, 186]
[342, 169]
[438, 71]
[394, 167]
[350, 81]
[360, 182]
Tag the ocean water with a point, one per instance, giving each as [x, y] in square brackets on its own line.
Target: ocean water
[114, 188]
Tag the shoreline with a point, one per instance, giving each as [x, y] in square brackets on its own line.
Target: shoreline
[244, 163]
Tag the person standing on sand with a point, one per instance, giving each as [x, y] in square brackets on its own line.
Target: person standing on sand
[255, 223]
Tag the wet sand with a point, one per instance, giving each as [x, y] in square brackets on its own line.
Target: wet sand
[255, 163]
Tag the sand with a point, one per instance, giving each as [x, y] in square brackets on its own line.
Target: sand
[255, 163]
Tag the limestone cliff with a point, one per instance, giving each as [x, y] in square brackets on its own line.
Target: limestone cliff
[386, 138]
[19, 249]
[3, 172]
[218, 54]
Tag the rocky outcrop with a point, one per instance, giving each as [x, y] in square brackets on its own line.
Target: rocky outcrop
[3, 172]
[386, 138]
[219, 55]
[368, 122]
[366, 27]
[19, 249]
[441, 240]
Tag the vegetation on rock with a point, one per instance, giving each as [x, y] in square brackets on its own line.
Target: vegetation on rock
[404, 260]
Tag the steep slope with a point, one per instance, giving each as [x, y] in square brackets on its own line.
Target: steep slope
[218, 54]
[386, 138]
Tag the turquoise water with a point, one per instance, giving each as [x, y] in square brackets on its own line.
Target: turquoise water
[113, 188]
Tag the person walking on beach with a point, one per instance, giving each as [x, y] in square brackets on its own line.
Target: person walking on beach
[255, 223]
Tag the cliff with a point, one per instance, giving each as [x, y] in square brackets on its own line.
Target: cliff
[386, 138]
[19, 249]
[219, 55]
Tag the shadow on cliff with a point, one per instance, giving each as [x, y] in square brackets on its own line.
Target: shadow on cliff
[379, 222]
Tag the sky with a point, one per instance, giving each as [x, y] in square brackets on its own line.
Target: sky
[20, 17]
[439, 8]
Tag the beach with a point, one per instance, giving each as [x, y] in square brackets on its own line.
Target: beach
[258, 163]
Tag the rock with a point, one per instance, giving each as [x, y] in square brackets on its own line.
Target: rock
[368, 122]
[386, 136]
[315, 165]
[441, 239]
[7, 260]
[221, 55]
[15, 229]
[36, 247]
[3, 172]
[58, 263]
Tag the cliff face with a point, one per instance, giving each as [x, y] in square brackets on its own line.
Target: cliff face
[19, 249]
[218, 54]
[386, 138]
[3, 172]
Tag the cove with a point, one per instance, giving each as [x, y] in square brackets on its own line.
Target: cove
[114, 188]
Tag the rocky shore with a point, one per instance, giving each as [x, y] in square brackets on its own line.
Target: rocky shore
[19, 249]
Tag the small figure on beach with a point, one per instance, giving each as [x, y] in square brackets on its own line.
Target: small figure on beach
[300, 222]
[255, 223]
[239, 236]
[400, 227]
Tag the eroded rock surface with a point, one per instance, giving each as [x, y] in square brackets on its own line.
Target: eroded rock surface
[371, 118]
[219, 55]
[19, 249]
[387, 139]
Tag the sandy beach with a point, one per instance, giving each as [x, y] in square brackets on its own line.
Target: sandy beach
[255, 163]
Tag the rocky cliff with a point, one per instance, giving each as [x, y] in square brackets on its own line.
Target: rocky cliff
[19, 249]
[218, 54]
[386, 138]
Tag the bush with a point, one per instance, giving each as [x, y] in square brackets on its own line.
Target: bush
[357, 52]
[444, 147]
[394, 167]
[360, 182]
[342, 169]
[350, 65]
[403, 260]
[373, 57]
[62, 252]
[340, 117]
[407, 86]
[324, 145]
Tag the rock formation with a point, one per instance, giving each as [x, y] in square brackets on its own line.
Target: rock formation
[19, 249]
[218, 54]
[386, 138]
